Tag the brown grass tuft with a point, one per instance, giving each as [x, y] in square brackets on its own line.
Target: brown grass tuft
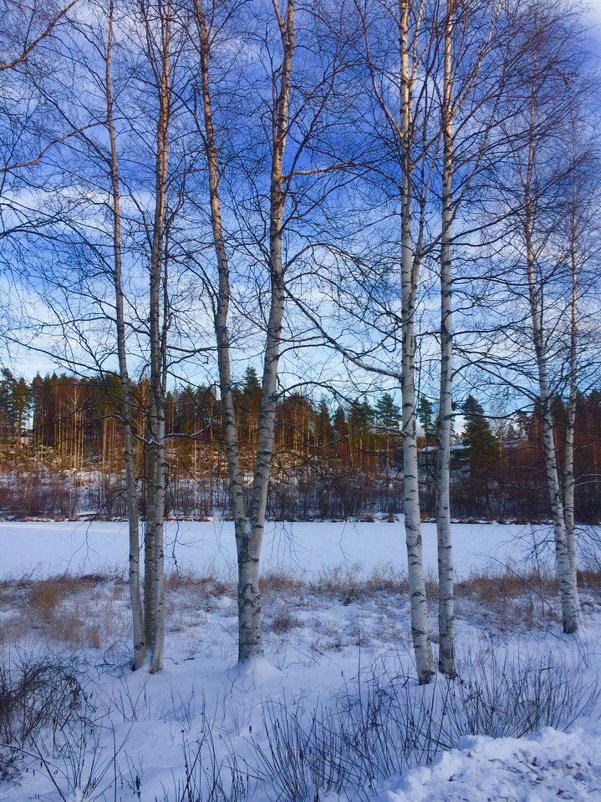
[45, 597]
[284, 621]
[508, 585]
[207, 584]
[347, 584]
[80, 611]
[274, 584]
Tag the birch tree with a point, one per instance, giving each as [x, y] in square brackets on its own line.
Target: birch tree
[392, 49]
[475, 77]
[158, 23]
[565, 575]
[446, 659]
[580, 232]
[569, 478]
[79, 298]
[532, 185]
[311, 104]
[249, 521]
[127, 402]
[410, 264]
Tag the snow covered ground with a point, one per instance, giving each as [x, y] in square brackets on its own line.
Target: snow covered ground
[40, 549]
[547, 767]
[338, 666]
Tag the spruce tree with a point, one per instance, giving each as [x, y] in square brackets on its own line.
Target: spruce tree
[425, 417]
[388, 417]
[483, 448]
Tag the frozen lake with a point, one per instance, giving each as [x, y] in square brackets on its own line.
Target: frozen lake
[41, 549]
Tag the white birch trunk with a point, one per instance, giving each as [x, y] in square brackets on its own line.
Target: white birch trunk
[446, 623]
[155, 514]
[570, 606]
[139, 645]
[570, 487]
[149, 491]
[420, 629]
[249, 546]
[570, 483]
[158, 599]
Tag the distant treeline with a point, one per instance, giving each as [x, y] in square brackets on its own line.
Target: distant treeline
[61, 451]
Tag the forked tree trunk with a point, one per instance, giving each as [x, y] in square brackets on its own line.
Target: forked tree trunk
[570, 606]
[127, 410]
[249, 525]
[446, 623]
[420, 629]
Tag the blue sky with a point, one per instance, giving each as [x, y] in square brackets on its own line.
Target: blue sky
[593, 17]
[27, 363]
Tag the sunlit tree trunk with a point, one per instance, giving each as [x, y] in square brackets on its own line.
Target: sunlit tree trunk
[446, 659]
[249, 525]
[139, 646]
[155, 512]
[568, 591]
[420, 629]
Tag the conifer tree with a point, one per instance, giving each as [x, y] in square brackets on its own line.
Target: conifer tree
[425, 417]
[483, 448]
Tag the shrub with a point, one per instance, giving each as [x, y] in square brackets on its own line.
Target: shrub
[36, 695]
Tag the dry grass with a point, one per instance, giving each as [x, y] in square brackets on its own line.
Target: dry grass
[191, 595]
[328, 637]
[348, 584]
[491, 587]
[510, 601]
[275, 585]
[45, 597]
[80, 611]
[590, 580]
[93, 611]
[284, 620]
[207, 584]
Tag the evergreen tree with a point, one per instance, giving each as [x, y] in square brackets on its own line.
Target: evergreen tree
[425, 416]
[388, 417]
[7, 410]
[483, 448]
[325, 431]
[340, 434]
[360, 424]
[251, 384]
[388, 414]
[251, 404]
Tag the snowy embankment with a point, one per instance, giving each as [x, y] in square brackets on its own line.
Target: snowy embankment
[42, 549]
[547, 767]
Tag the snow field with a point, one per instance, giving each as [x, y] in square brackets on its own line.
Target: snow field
[329, 634]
